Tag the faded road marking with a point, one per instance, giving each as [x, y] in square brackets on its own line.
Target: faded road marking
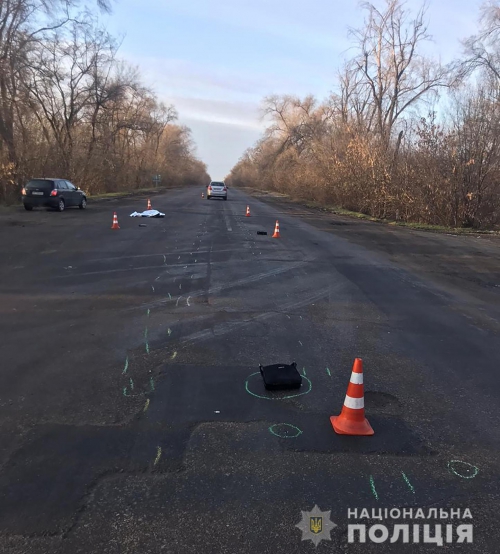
[240, 282]
[228, 327]
[228, 224]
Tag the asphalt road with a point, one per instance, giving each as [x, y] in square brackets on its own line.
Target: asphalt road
[132, 419]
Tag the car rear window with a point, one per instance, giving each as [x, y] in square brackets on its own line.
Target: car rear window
[41, 184]
[217, 184]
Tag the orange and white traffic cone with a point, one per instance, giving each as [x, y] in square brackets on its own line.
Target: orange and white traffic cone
[115, 222]
[202, 195]
[149, 204]
[276, 230]
[248, 211]
[351, 420]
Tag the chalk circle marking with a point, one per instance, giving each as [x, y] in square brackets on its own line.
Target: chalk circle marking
[309, 387]
[281, 430]
[466, 468]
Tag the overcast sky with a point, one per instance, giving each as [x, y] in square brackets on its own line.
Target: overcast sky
[216, 59]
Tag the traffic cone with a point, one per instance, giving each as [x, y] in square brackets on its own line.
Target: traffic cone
[115, 222]
[248, 211]
[202, 195]
[149, 204]
[276, 230]
[351, 420]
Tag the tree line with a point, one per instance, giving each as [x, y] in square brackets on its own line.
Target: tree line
[70, 108]
[402, 137]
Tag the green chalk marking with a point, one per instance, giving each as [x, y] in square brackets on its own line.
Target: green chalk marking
[126, 367]
[407, 481]
[374, 490]
[282, 431]
[158, 455]
[467, 471]
[328, 371]
[304, 371]
[152, 383]
[131, 384]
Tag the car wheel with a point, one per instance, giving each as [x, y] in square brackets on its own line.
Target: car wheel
[83, 204]
[61, 205]
[28, 208]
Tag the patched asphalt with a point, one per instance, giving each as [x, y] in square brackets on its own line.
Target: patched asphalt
[134, 420]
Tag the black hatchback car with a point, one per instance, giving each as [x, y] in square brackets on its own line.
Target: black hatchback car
[53, 193]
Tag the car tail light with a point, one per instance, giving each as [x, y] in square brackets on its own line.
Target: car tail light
[53, 192]
[23, 192]
[209, 187]
[225, 189]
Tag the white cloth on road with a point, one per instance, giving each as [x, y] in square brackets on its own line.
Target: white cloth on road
[148, 213]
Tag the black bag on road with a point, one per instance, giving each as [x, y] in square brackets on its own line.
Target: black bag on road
[281, 376]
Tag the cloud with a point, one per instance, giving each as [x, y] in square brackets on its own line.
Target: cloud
[228, 82]
[240, 114]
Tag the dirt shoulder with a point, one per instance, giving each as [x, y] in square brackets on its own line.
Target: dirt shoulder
[316, 206]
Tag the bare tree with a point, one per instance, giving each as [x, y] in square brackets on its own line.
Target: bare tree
[482, 51]
[390, 66]
[22, 24]
[61, 82]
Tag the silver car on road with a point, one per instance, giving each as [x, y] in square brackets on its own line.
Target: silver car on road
[217, 189]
